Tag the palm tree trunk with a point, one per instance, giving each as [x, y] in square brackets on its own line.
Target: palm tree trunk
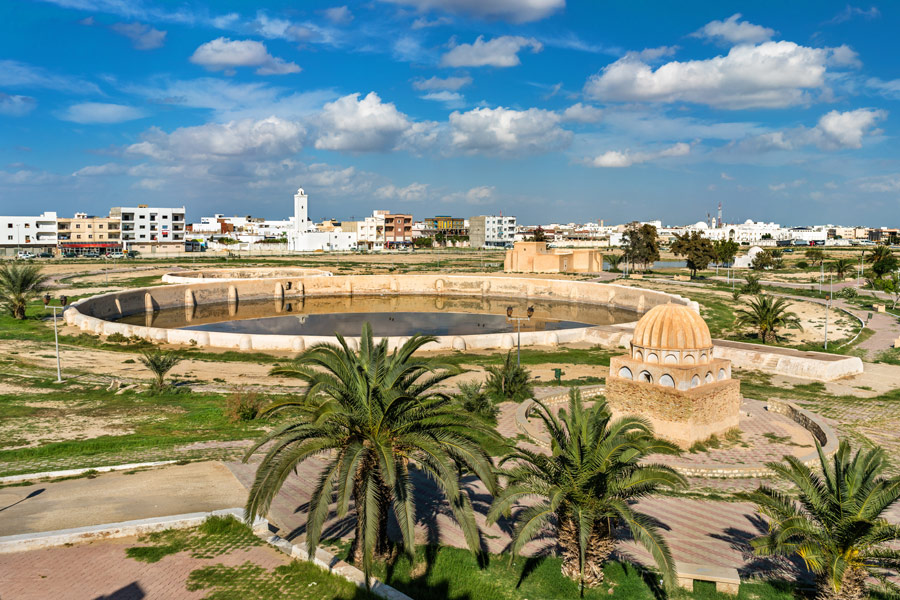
[382, 543]
[600, 547]
[19, 311]
[853, 586]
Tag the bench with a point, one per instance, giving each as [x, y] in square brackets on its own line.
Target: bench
[726, 579]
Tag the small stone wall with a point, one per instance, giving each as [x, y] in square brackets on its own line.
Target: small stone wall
[206, 275]
[97, 314]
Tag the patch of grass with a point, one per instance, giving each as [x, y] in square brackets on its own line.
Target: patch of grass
[578, 356]
[216, 536]
[295, 581]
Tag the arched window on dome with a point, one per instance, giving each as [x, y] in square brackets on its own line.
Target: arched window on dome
[625, 373]
[710, 378]
[671, 359]
[695, 381]
[703, 357]
[638, 355]
[688, 359]
[722, 374]
[645, 377]
[652, 358]
[667, 381]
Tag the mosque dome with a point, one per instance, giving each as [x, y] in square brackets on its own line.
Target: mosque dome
[672, 334]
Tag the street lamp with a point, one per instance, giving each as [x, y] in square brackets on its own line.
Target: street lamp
[518, 321]
[62, 301]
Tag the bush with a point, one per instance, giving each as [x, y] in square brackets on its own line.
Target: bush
[473, 398]
[116, 337]
[509, 382]
[243, 405]
[802, 264]
[848, 293]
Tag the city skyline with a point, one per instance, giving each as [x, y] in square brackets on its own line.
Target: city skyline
[552, 111]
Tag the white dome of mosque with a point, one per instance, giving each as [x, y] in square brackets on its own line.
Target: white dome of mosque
[700, 225]
[748, 222]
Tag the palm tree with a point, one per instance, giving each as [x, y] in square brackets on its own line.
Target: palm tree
[373, 415]
[586, 486]
[508, 382]
[18, 285]
[837, 522]
[878, 253]
[841, 267]
[767, 315]
[614, 260]
[160, 362]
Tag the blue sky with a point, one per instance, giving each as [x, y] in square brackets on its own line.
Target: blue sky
[552, 110]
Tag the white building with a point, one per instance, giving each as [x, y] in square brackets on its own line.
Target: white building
[28, 233]
[748, 232]
[490, 231]
[304, 237]
[151, 229]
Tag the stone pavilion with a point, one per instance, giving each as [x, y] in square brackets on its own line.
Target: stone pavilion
[671, 378]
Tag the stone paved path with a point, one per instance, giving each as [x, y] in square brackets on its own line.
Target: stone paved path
[101, 571]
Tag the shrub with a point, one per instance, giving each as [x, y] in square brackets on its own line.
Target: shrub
[243, 405]
[473, 398]
[848, 293]
[116, 337]
[509, 382]
[802, 265]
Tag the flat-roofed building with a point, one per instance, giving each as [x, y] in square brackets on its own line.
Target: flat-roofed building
[33, 234]
[151, 230]
[85, 233]
[489, 231]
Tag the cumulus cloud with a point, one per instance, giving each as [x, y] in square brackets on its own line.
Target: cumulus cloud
[770, 75]
[16, 106]
[507, 131]
[367, 125]
[100, 112]
[780, 187]
[837, 129]
[734, 31]
[236, 139]
[619, 159]
[224, 54]
[482, 194]
[449, 99]
[414, 192]
[340, 15]
[514, 11]
[582, 113]
[499, 52]
[437, 83]
[143, 37]
[843, 56]
[881, 183]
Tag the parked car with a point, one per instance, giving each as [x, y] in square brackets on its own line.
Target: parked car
[45, 255]
[132, 254]
[116, 255]
[91, 255]
[24, 255]
[788, 250]
[69, 254]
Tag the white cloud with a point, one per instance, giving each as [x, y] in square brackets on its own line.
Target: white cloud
[734, 31]
[843, 56]
[16, 106]
[450, 99]
[780, 187]
[100, 170]
[437, 83]
[480, 195]
[888, 89]
[235, 139]
[223, 54]
[881, 183]
[507, 131]
[726, 176]
[423, 23]
[850, 12]
[99, 112]
[770, 75]
[22, 75]
[499, 52]
[365, 125]
[617, 159]
[340, 15]
[845, 129]
[582, 113]
[514, 11]
[143, 37]
[414, 192]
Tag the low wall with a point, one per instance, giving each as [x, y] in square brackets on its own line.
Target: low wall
[96, 314]
[206, 275]
[820, 366]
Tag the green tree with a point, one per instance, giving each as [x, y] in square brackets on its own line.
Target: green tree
[697, 250]
[725, 251]
[640, 245]
[878, 253]
[586, 487]
[763, 260]
[815, 256]
[767, 315]
[539, 235]
[752, 285]
[614, 260]
[509, 381]
[160, 362]
[835, 520]
[884, 266]
[19, 284]
[474, 399]
[373, 416]
[842, 267]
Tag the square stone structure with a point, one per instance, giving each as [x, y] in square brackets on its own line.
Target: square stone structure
[671, 378]
[535, 257]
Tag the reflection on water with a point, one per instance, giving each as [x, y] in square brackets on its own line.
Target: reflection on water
[394, 315]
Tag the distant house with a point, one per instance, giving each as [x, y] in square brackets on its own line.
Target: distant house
[535, 257]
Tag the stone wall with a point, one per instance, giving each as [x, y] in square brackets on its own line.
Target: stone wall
[206, 275]
[681, 416]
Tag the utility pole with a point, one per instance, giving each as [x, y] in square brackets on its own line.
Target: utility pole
[56, 339]
[518, 322]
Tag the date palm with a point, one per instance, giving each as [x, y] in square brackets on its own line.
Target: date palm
[373, 416]
[767, 315]
[585, 487]
[841, 267]
[878, 253]
[836, 523]
[160, 362]
[614, 260]
[20, 284]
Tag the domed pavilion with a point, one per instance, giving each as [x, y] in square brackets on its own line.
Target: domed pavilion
[671, 378]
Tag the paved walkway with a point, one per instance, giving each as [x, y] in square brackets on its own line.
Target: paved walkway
[102, 571]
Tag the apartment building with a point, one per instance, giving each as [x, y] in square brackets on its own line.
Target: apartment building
[488, 231]
[397, 231]
[151, 229]
[85, 233]
[446, 225]
[34, 234]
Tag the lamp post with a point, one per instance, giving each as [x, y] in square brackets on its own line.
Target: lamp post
[56, 339]
[828, 301]
[518, 321]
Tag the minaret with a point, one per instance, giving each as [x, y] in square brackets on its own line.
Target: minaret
[301, 211]
[720, 214]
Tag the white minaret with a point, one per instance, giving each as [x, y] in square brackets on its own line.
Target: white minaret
[301, 211]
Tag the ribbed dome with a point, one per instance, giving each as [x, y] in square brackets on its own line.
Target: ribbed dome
[671, 327]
